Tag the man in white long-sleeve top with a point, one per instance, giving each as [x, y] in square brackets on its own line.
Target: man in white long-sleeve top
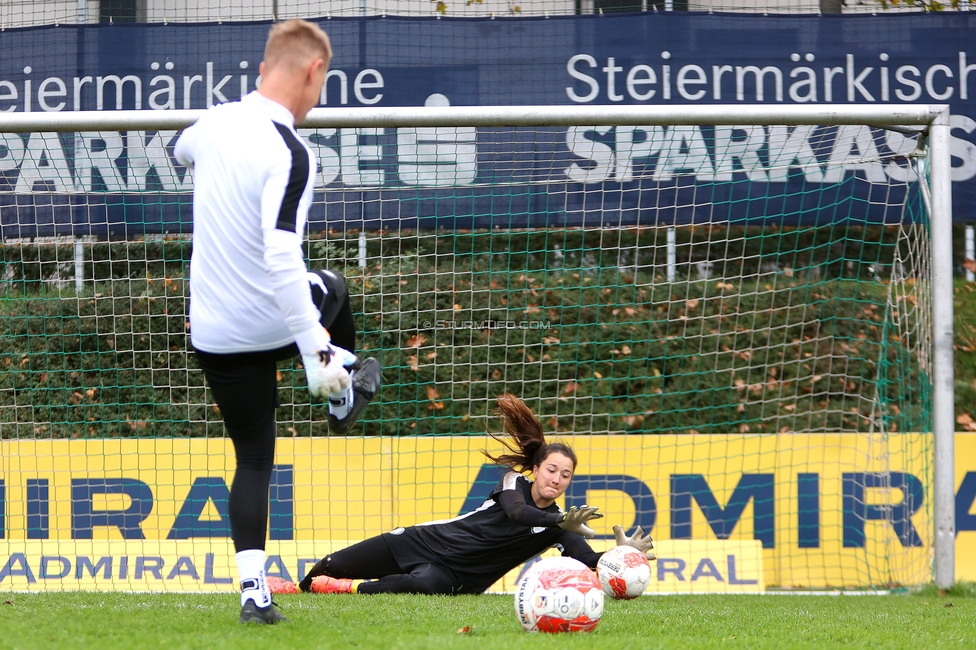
[253, 302]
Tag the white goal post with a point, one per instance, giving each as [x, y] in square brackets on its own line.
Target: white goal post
[931, 121]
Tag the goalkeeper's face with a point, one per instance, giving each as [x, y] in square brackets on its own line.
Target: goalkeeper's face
[552, 478]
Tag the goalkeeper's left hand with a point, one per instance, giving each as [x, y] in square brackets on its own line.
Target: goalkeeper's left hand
[638, 540]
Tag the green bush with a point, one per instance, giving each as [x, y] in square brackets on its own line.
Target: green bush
[798, 337]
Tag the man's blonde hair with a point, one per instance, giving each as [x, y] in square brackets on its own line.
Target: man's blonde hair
[295, 43]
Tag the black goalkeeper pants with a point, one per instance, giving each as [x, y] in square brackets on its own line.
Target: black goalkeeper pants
[245, 388]
[373, 560]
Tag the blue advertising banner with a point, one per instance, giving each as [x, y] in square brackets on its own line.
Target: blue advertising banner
[123, 184]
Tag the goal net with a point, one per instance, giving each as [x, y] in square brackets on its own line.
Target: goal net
[728, 313]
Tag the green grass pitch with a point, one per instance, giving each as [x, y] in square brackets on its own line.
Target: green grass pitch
[104, 621]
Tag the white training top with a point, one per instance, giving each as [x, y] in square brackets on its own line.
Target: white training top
[253, 179]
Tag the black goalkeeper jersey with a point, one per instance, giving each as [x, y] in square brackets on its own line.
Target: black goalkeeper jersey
[483, 545]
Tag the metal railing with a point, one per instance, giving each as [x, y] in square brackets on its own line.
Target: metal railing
[22, 13]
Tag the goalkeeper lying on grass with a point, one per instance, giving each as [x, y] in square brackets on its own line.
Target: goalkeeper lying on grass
[467, 554]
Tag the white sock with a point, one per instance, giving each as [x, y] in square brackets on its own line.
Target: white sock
[341, 403]
[250, 568]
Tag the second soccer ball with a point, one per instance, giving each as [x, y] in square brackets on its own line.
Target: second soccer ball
[624, 572]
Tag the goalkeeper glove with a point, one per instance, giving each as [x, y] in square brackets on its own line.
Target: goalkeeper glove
[575, 520]
[326, 370]
[638, 540]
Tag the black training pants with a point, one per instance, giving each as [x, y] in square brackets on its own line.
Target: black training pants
[373, 560]
[245, 388]
[246, 391]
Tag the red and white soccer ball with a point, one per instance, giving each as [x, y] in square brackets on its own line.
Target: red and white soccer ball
[624, 572]
[558, 594]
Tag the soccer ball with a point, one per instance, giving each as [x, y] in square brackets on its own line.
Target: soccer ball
[558, 594]
[624, 572]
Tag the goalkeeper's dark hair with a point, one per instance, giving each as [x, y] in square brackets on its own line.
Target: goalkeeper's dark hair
[524, 439]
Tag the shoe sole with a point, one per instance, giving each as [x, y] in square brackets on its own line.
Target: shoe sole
[363, 397]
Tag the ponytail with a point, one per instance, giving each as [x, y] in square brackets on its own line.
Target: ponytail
[526, 442]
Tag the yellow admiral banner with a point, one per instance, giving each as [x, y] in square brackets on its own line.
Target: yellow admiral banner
[693, 566]
[800, 510]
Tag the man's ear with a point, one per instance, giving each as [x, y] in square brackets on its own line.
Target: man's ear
[315, 66]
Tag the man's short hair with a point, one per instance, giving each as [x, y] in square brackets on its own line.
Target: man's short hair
[296, 43]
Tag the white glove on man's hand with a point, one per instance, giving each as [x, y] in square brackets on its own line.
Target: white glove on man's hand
[576, 518]
[326, 370]
[638, 540]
